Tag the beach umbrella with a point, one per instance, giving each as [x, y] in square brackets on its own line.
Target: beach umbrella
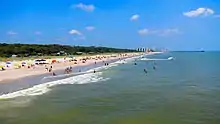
[16, 65]
[1, 66]
[23, 63]
[8, 63]
[53, 61]
[30, 62]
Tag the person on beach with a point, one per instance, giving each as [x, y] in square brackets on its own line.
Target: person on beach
[50, 70]
[3, 68]
[67, 70]
[46, 68]
[95, 63]
[53, 74]
[51, 67]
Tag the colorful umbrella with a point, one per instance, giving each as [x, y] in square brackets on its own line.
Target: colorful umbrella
[8, 62]
[23, 63]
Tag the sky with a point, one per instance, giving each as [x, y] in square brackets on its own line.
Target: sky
[170, 24]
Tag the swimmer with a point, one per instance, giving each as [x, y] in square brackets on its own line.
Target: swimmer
[145, 70]
[135, 63]
[154, 67]
[94, 71]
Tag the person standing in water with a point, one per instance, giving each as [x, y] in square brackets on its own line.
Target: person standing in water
[145, 70]
[154, 66]
[53, 74]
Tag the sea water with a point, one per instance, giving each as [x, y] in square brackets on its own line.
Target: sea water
[182, 90]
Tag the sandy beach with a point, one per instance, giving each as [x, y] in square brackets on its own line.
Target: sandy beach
[13, 74]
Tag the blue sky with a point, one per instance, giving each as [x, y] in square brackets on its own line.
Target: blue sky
[172, 24]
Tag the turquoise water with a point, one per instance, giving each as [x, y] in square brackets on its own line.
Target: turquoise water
[185, 90]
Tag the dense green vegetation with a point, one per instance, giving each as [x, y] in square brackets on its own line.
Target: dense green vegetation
[25, 50]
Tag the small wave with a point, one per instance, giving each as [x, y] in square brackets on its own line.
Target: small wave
[148, 59]
[45, 87]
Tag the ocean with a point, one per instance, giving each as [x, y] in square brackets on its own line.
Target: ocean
[182, 90]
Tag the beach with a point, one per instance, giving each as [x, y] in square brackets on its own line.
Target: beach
[13, 74]
[14, 80]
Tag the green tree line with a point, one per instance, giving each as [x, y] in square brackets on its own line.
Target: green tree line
[25, 50]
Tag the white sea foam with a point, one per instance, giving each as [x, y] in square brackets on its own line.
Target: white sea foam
[82, 78]
[45, 87]
[148, 59]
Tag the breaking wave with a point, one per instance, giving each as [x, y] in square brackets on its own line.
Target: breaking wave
[148, 59]
[74, 78]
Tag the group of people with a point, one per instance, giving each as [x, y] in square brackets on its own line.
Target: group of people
[154, 67]
[49, 69]
[145, 70]
[68, 70]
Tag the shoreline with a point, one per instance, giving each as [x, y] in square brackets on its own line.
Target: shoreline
[78, 78]
[40, 69]
[14, 85]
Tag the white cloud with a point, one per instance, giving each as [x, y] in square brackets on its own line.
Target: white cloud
[88, 8]
[90, 28]
[135, 17]
[37, 33]
[160, 32]
[199, 12]
[143, 31]
[11, 33]
[75, 32]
